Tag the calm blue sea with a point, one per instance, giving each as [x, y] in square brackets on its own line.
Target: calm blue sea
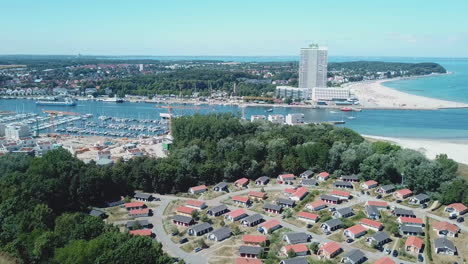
[438, 124]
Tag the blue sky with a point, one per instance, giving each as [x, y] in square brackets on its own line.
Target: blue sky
[430, 28]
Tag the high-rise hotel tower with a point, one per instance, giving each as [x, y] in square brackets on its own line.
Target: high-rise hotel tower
[313, 67]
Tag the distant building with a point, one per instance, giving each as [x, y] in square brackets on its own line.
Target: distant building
[295, 119]
[276, 119]
[257, 117]
[17, 131]
[330, 94]
[293, 93]
[313, 67]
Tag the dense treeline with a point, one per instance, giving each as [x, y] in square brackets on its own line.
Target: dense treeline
[364, 67]
[44, 201]
[43, 206]
[187, 82]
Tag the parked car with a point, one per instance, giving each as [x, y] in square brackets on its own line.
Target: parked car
[349, 240]
[453, 216]
[388, 251]
[183, 240]
[420, 258]
[395, 253]
[175, 233]
[332, 209]
[460, 219]
[424, 205]
[362, 192]
[398, 201]
[368, 193]
[197, 249]
[378, 196]
[327, 233]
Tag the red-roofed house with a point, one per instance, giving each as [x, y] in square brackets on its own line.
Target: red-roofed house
[235, 215]
[329, 250]
[371, 224]
[288, 191]
[241, 200]
[184, 210]
[378, 204]
[141, 232]
[323, 176]
[139, 212]
[446, 229]
[286, 178]
[299, 194]
[384, 260]
[456, 208]
[369, 184]
[198, 189]
[341, 194]
[269, 226]
[411, 221]
[248, 261]
[197, 204]
[257, 195]
[134, 205]
[402, 194]
[316, 205]
[254, 239]
[355, 231]
[308, 217]
[413, 244]
[298, 249]
[241, 183]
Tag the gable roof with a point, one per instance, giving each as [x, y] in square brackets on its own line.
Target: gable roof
[140, 195]
[182, 219]
[370, 183]
[300, 192]
[222, 232]
[411, 229]
[257, 194]
[97, 212]
[308, 215]
[253, 218]
[384, 260]
[241, 199]
[297, 237]
[329, 198]
[340, 193]
[236, 213]
[131, 224]
[378, 203]
[331, 247]
[308, 182]
[141, 232]
[333, 222]
[401, 211]
[354, 255]
[270, 223]
[242, 181]
[253, 238]
[263, 179]
[218, 208]
[387, 187]
[201, 227]
[317, 203]
[372, 210]
[185, 210]
[221, 185]
[345, 211]
[370, 222]
[198, 188]
[134, 204]
[350, 177]
[380, 237]
[323, 175]
[296, 260]
[414, 242]
[444, 243]
[248, 261]
[250, 250]
[421, 197]
[307, 173]
[458, 206]
[287, 176]
[342, 183]
[404, 192]
[270, 206]
[410, 220]
[444, 225]
[296, 248]
[356, 229]
[139, 211]
[196, 203]
[285, 201]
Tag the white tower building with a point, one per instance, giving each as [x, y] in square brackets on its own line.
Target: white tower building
[313, 67]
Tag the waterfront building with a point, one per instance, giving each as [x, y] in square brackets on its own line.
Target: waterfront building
[313, 67]
[330, 94]
[276, 119]
[294, 119]
[257, 117]
[17, 131]
[293, 92]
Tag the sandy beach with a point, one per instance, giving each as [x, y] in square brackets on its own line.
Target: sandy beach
[455, 149]
[373, 94]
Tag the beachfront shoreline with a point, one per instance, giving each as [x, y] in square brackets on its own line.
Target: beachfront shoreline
[455, 149]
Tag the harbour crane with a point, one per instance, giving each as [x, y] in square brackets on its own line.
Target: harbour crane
[171, 107]
[52, 114]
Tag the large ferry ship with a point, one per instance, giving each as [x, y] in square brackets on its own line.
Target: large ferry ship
[65, 102]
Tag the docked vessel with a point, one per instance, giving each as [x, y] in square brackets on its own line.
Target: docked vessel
[346, 109]
[114, 99]
[66, 102]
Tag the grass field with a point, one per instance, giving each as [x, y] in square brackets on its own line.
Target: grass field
[463, 170]
[4, 259]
